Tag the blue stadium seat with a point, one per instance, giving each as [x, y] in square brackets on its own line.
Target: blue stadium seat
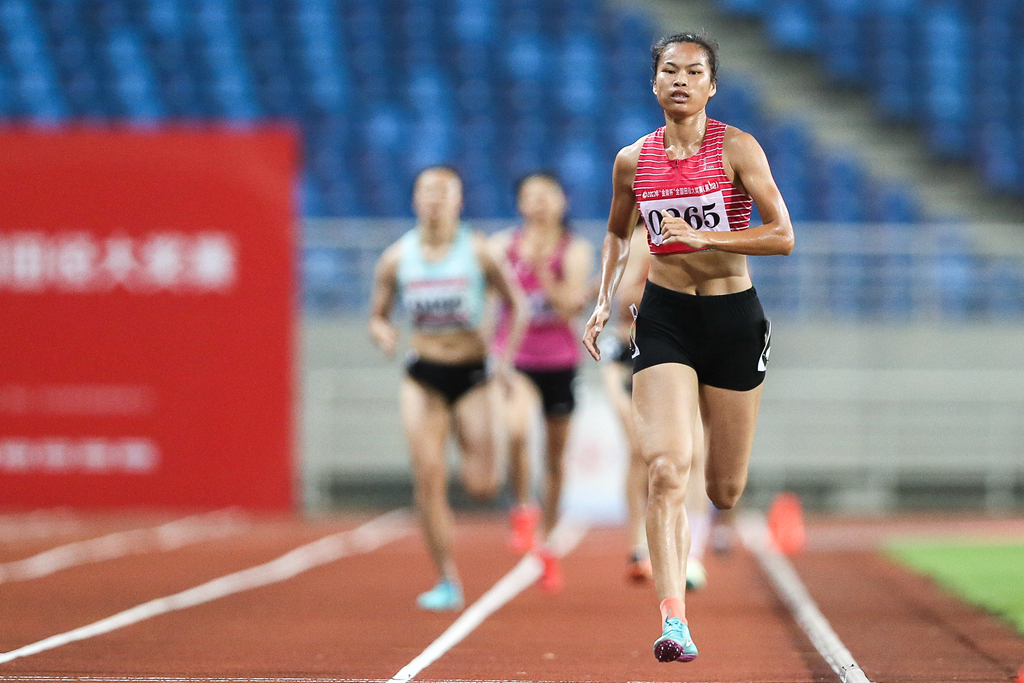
[793, 25]
[526, 148]
[841, 190]
[486, 195]
[999, 161]
[893, 202]
[165, 18]
[946, 65]
[892, 65]
[504, 89]
[475, 22]
[736, 103]
[746, 8]
[572, 82]
[9, 105]
[432, 141]
[845, 23]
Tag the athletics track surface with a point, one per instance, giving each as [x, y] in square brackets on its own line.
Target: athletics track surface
[342, 609]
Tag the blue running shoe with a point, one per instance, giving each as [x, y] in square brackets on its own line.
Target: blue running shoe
[675, 644]
[445, 596]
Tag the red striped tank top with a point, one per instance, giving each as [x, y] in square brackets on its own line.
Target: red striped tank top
[695, 189]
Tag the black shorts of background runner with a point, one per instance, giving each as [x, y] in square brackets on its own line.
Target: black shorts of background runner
[623, 355]
[725, 338]
[452, 381]
[556, 389]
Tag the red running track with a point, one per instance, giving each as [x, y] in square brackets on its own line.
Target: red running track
[354, 618]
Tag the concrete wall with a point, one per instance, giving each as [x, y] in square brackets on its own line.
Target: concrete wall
[877, 416]
[856, 417]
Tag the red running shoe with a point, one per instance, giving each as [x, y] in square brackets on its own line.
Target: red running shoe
[523, 520]
[638, 569]
[551, 580]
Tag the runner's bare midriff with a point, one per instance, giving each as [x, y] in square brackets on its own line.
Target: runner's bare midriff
[707, 273]
[450, 347]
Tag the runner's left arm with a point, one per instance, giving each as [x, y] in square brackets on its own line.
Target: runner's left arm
[507, 287]
[497, 245]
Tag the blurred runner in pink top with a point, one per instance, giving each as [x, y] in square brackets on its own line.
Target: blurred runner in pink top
[550, 341]
[553, 266]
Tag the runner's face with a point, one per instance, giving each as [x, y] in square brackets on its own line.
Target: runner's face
[437, 196]
[683, 82]
[542, 200]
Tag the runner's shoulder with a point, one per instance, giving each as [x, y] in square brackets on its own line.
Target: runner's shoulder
[737, 143]
[629, 155]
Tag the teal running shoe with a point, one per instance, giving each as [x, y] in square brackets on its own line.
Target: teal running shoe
[675, 644]
[696, 575]
[445, 596]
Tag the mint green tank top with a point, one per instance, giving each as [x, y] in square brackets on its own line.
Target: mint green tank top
[446, 295]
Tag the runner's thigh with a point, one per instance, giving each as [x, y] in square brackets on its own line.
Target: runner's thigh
[729, 420]
[474, 429]
[425, 420]
[520, 406]
[665, 399]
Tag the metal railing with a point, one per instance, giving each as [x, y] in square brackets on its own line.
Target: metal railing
[897, 273]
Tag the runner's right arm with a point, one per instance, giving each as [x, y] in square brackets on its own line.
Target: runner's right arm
[382, 300]
[615, 251]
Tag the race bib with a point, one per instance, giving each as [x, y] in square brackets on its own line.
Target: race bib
[438, 304]
[702, 212]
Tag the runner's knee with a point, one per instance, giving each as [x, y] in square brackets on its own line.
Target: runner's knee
[725, 493]
[666, 477]
[479, 477]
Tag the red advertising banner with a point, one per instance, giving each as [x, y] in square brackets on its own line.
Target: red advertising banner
[147, 314]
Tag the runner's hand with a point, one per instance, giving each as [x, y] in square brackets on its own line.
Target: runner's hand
[384, 335]
[677, 231]
[594, 326]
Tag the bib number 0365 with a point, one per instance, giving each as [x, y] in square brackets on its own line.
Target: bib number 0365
[706, 212]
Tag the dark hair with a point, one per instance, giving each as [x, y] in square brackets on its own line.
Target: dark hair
[705, 43]
[543, 174]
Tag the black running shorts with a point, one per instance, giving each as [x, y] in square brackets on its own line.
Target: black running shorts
[725, 338]
[451, 381]
[556, 390]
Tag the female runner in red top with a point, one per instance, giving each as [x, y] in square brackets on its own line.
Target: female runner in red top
[701, 335]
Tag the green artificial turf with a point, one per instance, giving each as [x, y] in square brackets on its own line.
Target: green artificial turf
[988, 575]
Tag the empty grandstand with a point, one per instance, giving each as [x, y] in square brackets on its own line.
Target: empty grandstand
[382, 89]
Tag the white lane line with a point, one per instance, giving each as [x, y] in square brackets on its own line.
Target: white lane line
[211, 679]
[165, 537]
[563, 539]
[373, 534]
[207, 679]
[754, 532]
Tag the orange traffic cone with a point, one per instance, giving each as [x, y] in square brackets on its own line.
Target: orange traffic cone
[786, 523]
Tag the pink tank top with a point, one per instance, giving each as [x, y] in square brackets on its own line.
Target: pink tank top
[695, 189]
[549, 343]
